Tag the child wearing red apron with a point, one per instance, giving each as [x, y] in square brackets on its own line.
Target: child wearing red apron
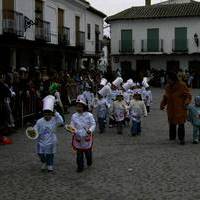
[84, 125]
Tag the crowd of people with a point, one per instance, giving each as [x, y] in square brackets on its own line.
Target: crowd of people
[22, 92]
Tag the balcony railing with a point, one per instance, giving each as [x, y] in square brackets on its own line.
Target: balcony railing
[13, 23]
[126, 46]
[99, 46]
[180, 45]
[43, 30]
[152, 45]
[64, 36]
[80, 40]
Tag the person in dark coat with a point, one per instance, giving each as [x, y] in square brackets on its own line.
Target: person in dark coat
[176, 98]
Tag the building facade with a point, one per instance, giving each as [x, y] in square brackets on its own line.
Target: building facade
[161, 36]
[48, 33]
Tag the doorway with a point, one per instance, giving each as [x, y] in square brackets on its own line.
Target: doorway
[142, 66]
[173, 66]
[126, 70]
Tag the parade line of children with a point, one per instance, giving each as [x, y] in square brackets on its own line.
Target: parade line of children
[120, 103]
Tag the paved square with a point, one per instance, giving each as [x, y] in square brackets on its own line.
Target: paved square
[125, 168]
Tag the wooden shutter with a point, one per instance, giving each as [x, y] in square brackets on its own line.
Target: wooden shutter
[181, 39]
[126, 40]
[77, 30]
[153, 40]
[39, 9]
[8, 8]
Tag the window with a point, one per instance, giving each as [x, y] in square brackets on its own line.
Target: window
[89, 31]
[181, 39]
[126, 41]
[39, 9]
[153, 40]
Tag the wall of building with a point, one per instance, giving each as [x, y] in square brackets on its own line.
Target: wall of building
[92, 19]
[166, 32]
[27, 8]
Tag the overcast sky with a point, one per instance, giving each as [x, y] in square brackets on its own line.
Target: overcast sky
[110, 7]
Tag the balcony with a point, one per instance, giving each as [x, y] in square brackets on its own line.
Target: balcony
[64, 36]
[126, 46]
[80, 40]
[152, 45]
[43, 31]
[180, 45]
[99, 46]
[13, 23]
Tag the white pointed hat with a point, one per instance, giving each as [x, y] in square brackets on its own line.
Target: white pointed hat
[48, 103]
[105, 91]
[130, 81]
[127, 85]
[117, 82]
[81, 99]
[103, 82]
[145, 82]
[145, 79]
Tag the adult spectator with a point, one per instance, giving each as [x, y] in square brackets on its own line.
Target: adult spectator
[177, 96]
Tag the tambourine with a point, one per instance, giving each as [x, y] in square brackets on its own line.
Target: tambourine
[70, 129]
[31, 133]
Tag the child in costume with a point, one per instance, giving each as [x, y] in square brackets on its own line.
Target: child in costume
[46, 128]
[102, 107]
[115, 87]
[119, 110]
[146, 94]
[137, 108]
[84, 124]
[89, 96]
[148, 99]
[127, 97]
[194, 118]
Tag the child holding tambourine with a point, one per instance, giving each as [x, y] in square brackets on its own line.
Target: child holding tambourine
[83, 126]
[46, 129]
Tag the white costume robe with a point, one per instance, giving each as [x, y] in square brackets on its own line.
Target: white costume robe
[47, 140]
[83, 122]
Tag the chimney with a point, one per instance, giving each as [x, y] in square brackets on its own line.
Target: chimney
[147, 2]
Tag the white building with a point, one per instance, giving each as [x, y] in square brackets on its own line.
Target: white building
[162, 36]
[49, 33]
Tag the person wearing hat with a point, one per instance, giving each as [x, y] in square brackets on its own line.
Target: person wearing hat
[102, 106]
[119, 110]
[127, 97]
[194, 118]
[84, 124]
[147, 95]
[137, 108]
[115, 87]
[46, 128]
[89, 96]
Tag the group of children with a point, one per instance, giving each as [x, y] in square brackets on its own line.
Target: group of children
[128, 101]
[117, 102]
[120, 103]
[82, 126]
